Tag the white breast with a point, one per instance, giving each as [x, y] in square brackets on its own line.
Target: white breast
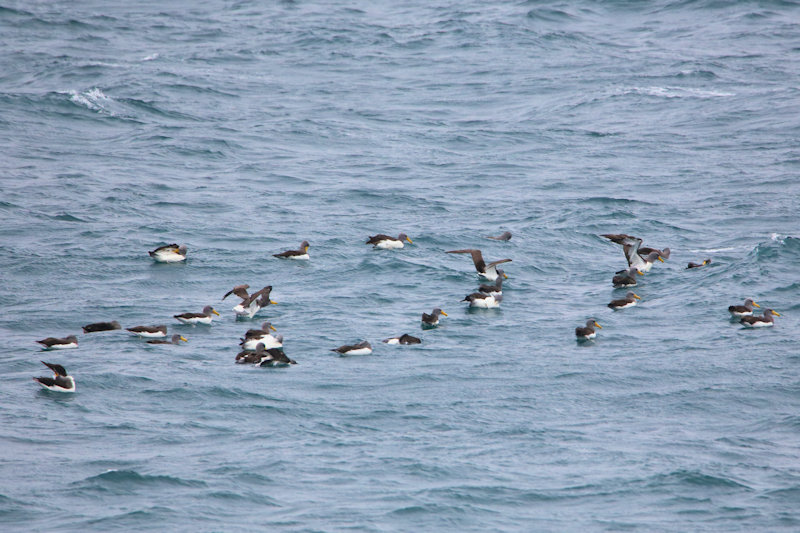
[389, 244]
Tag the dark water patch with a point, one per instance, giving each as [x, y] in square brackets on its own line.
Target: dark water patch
[131, 481]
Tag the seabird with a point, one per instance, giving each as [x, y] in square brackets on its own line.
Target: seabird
[53, 343]
[253, 337]
[60, 382]
[631, 246]
[101, 326]
[149, 331]
[497, 288]
[171, 253]
[362, 348]
[763, 321]
[176, 339]
[628, 301]
[698, 265]
[403, 339]
[197, 318]
[738, 311]
[300, 253]
[626, 278]
[431, 320]
[387, 242]
[251, 303]
[486, 270]
[587, 332]
[277, 358]
[483, 300]
[505, 236]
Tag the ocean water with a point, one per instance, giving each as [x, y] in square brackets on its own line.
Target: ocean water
[243, 128]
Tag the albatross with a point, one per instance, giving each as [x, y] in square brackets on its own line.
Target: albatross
[485, 270]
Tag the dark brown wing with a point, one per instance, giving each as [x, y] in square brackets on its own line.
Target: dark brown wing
[375, 239]
[239, 290]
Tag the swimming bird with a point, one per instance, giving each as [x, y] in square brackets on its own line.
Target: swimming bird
[300, 253]
[483, 300]
[626, 278]
[698, 265]
[176, 339]
[587, 332]
[362, 348]
[254, 356]
[53, 343]
[738, 311]
[253, 337]
[497, 288]
[631, 248]
[386, 242]
[197, 318]
[251, 303]
[486, 270]
[101, 326]
[762, 321]
[432, 320]
[277, 358]
[171, 253]
[403, 339]
[505, 236]
[60, 382]
[622, 303]
[149, 331]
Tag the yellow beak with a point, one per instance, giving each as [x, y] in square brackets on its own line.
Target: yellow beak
[273, 302]
[184, 339]
[776, 313]
[756, 304]
[660, 258]
[636, 296]
[272, 327]
[598, 325]
[505, 275]
[215, 312]
[445, 314]
[409, 240]
[640, 272]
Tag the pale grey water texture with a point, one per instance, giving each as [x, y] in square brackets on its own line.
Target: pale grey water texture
[243, 128]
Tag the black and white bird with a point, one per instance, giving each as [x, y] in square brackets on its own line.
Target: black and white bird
[176, 339]
[764, 321]
[253, 337]
[60, 382]
[483, 300]
[54, 343]
[624, 303]
[148, 331]
[637, 256]
[626, 278]
[301, 253]
[432, 320]
[387, 242]
[739, 311]
[497, 288]
[587, 332]
[698, 265]
[403, 339]
[197, 318]
[251, 303]
[486, 270]
[101, 326]
[264, 356]
[362, 348]
[170, 253]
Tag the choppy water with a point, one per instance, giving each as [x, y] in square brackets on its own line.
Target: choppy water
[243, 128]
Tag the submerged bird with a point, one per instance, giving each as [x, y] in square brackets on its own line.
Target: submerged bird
[497, 288]
[53, 343]
[176, 339]
[505, 236]
[738, 311]
[101, 326]
[486, 270]
[403, 339]
[622, 303]
[698, 265]
[197, 318]
[587, 332]
[483, 300]
[60, 382]
[300, 253]
[762, 321]
[641, 258]
[386, 242]
[251, 303]
[626, 278]
[431, 320]
[253, 337]
[171, 253]
[362, 348]
[149, 331]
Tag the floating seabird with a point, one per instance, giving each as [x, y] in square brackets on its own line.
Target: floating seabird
[101, 326]
[277, 358]
[300, 253]
[763, 321]
[176, 339]
[628, 301]
[631, 247]
[698, 265]
[505, 236]
[738, 311]
[255, 336]
[254, 356]
[486, 270]
[149, 331]
[362, 348]
[626, 278]
[497, 288]
[431, 320]
[587, 332]
[386, 242]
[60, 382]
[53, 343]
[171, 253]
[483, 300]
[197, 318]
[251, 303]
[403, 339]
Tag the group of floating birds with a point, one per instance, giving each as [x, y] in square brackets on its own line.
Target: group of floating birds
[640, 261]
[262, 347]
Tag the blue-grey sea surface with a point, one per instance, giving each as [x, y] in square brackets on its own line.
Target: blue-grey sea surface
[241, 128]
